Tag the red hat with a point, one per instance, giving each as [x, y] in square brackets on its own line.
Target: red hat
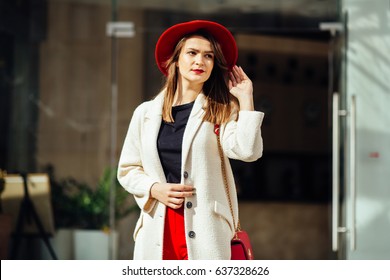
[169, 39]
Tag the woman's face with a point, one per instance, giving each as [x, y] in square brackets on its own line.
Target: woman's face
[196, 60]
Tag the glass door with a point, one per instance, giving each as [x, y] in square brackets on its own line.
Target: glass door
[367, 201]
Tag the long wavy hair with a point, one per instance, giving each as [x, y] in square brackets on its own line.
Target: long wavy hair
[220, 101]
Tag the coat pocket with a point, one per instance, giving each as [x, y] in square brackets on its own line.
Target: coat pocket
[138, 226]
[225, 214]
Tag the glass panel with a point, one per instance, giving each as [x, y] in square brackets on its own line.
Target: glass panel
[368, 71]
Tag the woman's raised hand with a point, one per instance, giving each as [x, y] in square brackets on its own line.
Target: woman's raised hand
[241, 87]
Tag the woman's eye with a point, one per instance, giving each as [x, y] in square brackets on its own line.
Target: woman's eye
[191, 53]
[209, 56]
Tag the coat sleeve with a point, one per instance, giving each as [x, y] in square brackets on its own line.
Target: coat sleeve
[131, 173]
[241, 138]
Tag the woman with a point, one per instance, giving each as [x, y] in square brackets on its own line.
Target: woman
[170, 160]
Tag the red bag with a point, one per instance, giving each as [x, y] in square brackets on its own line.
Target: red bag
[241, 246]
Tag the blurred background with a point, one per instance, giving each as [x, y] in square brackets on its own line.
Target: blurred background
[73, 71]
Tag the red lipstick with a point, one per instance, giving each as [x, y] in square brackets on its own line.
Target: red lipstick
[198, 71]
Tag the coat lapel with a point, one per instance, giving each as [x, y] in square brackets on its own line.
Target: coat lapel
[193, 124]
[152, 123]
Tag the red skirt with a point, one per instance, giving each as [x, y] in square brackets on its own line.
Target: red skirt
[175, 246]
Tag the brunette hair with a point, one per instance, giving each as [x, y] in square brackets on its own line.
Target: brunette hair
[220, 101]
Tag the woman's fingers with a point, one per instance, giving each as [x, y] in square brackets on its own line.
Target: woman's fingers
[232, 80]
[174, 206]
[178, 194]
[236, 77]
[172, 195]
[181, 194]
[181, 188]
[237, 74]
[176, 201]
[243, 74]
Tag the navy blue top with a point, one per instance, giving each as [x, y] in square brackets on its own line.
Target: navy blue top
[170, 140]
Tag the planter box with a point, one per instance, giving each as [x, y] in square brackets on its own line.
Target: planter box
[94, 244]
[62, 243]
[79, 244]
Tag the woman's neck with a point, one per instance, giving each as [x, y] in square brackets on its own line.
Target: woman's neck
[186, 94]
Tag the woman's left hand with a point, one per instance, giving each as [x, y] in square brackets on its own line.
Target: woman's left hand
[241, 87]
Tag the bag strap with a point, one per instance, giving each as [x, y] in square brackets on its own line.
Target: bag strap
[225, 180]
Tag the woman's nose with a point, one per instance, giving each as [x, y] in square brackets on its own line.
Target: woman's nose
[199, 60]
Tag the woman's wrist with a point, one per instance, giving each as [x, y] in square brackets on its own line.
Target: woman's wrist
[152, 190]
[246, 104]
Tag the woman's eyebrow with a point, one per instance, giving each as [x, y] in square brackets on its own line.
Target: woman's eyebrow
[197, 50]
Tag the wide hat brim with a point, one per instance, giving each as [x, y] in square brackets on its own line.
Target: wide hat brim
[170, 37]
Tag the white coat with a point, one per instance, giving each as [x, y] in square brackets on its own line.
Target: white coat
[208, 220]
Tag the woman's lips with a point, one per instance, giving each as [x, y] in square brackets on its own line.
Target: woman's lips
[197, 71]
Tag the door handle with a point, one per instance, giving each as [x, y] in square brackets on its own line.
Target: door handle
[336, 229]
[352, 172]
[335, 171]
